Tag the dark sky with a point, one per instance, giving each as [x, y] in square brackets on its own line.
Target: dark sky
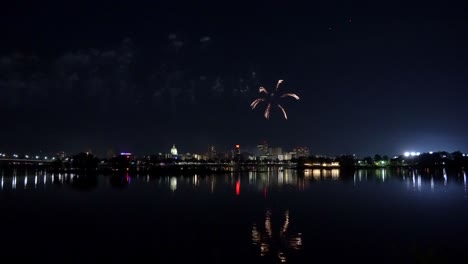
[373, 77]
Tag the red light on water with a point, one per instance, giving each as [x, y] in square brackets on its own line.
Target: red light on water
[238, 187]
[127, 178]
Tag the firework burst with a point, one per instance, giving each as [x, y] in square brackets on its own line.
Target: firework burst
[272, 100]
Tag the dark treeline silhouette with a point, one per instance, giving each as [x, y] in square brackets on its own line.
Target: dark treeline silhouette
[423, 160]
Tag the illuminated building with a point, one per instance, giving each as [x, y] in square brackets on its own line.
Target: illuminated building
[174, 151]
[301, 152]
[122, 162]
[285, 156]
[276, 151]
[61, 155]
[263, 149]
[236, 153]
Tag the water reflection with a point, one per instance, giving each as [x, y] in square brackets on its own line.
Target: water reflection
[322, 174]
[41, 179]
[173, 184]
[119, 181]
[464, 182]
[276, 240]
[273, 179]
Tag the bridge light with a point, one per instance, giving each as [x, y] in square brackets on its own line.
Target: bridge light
[37, 157]
[26, 156]
[14, 155]
[45, 157]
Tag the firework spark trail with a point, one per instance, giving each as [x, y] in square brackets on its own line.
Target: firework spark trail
[290, 95]
[267, 111]
[284, 111]
[262, 90]
[278, 84]
[256, 102]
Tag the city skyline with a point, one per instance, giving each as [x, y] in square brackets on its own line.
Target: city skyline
[261, 151]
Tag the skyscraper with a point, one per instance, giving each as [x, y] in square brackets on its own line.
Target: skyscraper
[212, 155]
[301, 152]
[262, 149]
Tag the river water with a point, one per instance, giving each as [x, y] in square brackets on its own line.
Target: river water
[273, 216]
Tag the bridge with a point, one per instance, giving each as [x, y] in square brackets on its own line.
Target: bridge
[25, 161]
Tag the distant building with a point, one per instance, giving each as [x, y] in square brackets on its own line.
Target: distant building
[212, 155]
[186, 156]
[259, 150]
[286, 156]
[301, 152]
[262, 149]
[61, 155]
[174, 151]
[236, 153]
[110, 154]
[276, 151]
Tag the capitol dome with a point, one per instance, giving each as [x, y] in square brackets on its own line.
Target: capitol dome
[174, 150]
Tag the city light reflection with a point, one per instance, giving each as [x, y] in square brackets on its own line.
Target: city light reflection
[173, 184]
[464, 181]
[445, 177]
[266, 183]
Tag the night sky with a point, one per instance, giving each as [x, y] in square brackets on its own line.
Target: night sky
[374, 77]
